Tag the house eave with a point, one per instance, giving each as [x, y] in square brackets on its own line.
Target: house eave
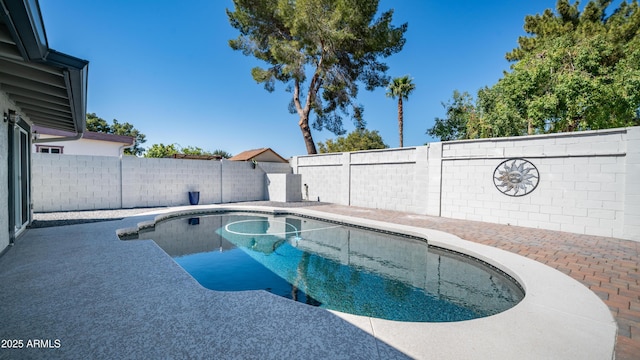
[87, 135]
[49, 87]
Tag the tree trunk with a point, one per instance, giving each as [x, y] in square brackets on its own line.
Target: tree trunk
[529, 127]
[400, 120]
[306, 134]
[303, 113]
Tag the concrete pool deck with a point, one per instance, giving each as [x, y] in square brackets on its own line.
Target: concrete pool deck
[105, 298]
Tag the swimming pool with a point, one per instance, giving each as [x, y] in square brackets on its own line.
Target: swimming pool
[335, 266]
[558, 318]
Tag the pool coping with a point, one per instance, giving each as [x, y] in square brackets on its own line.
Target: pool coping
[558, 318]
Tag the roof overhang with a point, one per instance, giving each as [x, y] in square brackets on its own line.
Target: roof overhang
[55, 135]
[48, 86]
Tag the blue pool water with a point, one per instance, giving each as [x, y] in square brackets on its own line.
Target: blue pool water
[336, 267]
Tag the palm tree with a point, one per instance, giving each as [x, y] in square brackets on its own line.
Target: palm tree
[400, 88]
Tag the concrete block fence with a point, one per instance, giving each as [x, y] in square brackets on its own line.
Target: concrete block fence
[74, 182]
[69, 182]
[589, 182]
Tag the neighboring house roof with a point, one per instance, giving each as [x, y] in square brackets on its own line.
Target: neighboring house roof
[48, 86]
[263, 154]
[89, 135]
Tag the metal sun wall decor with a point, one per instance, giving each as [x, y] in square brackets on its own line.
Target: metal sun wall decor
[516, 177]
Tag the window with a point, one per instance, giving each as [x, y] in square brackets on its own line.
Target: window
[49, 149]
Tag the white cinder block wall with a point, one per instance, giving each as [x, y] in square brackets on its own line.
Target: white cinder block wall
[166, 182]
[632, 184]
[581, 187]
[242, 182]
[65, 182]
[384, 179]
[275, 168]
[589, 181]
[72, 182]
[323, 176]
[283, 187]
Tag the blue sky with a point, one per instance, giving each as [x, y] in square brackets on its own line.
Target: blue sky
[167, 68]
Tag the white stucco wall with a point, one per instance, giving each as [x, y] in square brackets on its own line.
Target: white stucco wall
[4, 174]
[83, 147]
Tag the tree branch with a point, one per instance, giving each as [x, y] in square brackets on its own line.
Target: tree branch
[314, 87]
